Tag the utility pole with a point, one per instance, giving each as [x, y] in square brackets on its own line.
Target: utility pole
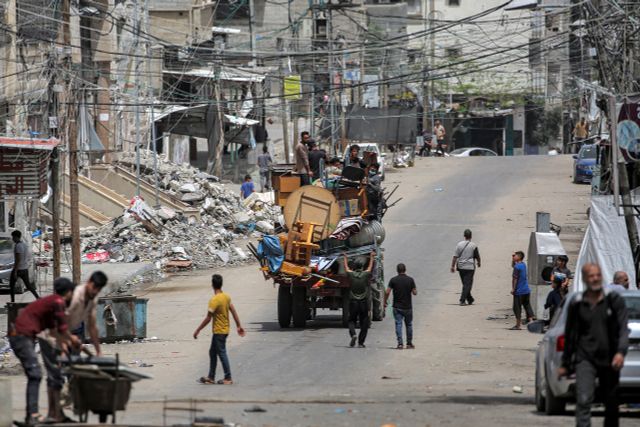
[252, 25]
[425, 93]
[136, 61]
[55, 207]
[151, 97]
[332, 100]
[432, 57]
[217, 168]
[284, 104]
[71, 134]
[12, 66]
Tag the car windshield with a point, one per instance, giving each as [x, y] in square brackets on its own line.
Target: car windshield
[6, 246]
[588, 152]
[633, 306]
[458, 151]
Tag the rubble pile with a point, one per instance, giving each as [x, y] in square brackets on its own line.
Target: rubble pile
[169, 238]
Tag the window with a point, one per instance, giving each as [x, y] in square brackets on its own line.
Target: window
[453, 3]
[453, 52]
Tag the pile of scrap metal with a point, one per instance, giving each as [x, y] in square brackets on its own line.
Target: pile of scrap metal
[324, 222]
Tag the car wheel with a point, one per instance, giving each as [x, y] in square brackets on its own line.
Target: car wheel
[540, 401]
[553, 405]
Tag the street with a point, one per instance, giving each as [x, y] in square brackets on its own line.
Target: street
[464, 367]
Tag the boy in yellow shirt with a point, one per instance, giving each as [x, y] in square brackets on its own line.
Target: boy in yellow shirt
[218, 313]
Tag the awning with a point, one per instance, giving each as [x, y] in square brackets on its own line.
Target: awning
[241, 121]
[226, 74]
[522, 4]
[160, 114]
[36, 144]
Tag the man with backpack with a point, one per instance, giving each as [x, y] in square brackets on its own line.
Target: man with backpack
[596, 343]
[465, 259]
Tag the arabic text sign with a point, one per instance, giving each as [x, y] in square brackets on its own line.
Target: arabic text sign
[23, 172]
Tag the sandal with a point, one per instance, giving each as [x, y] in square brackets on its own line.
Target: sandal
[206, 380]
[225, 382]
[515, 328]
[400, 347]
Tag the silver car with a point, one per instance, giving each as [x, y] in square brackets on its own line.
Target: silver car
[553, 393]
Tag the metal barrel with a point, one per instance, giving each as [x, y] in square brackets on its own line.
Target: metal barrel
[368, 235]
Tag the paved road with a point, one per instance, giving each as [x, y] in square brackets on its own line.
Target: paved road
[464, 367]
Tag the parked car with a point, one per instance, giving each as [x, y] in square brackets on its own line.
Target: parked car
[553, 393]
[472, 152]
[367, 146]
[585, 163]
[6, 265]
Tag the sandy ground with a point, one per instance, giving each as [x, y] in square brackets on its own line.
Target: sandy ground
[464, 367]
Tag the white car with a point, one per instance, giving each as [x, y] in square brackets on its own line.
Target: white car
[553, 393]
[367, 146]
[473, 152]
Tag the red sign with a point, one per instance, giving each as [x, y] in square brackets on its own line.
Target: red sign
[24, 166]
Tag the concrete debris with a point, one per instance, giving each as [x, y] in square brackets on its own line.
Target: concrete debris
[168, 238]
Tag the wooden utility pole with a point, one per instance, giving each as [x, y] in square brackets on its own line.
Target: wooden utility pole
[217, 168]
[55, 207]
[71, 135]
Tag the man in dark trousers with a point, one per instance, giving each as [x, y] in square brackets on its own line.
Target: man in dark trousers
[21, 258]
[46, 313]
[359, 298]
[520, 290]
[403, 288]
[465, 259]
[596, 343]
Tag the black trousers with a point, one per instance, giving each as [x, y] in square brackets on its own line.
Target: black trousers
[608, 380]
[359, 312]
[24, 275]
[466, 276]
[520, 301]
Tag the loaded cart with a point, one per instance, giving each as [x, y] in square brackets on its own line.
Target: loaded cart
[99, 385]
[324, 223]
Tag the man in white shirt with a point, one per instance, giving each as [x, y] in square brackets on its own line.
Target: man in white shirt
[465, 259]
[21, 258]
[81, 313]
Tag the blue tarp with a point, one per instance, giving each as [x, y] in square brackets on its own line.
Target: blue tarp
[270, 249]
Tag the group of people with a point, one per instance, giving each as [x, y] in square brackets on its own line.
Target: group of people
[58, 323]
[596, 337]
[438, 133]
[403, 288]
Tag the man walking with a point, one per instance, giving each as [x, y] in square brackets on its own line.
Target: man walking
[465, 259]
[403, 288]
[520, 290]
[264, 162]
[440, 133]
[359, 298]
[218, 313]
[21, 258]
[46, 313]
[596, 343]
[302, 159]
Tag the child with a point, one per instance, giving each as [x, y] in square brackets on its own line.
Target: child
[520, 290]
[218, 312]
[247, 187]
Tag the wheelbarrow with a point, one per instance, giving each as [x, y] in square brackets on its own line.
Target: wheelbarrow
[99, 385]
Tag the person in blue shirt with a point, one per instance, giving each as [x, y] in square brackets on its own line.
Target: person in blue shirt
[520, 290]
[247, 187]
